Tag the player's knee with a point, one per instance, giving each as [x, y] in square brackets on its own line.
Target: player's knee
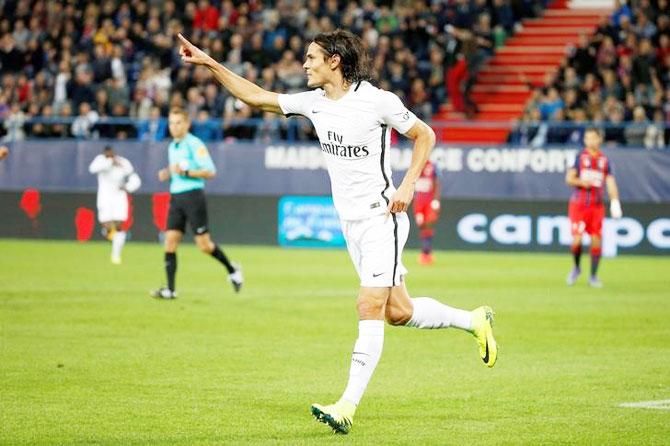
[369, 307]
[398, 316]
[205, 246]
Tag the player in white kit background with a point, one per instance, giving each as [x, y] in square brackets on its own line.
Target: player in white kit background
[116, 178]
[353, 120]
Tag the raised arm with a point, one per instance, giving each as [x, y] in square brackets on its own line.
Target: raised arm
[99, 164]
[424, 141]
[239, 87]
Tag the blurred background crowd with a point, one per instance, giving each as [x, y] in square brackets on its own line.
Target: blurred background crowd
[620, 75]
[84, 61]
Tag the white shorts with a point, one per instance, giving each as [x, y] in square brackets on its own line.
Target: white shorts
[375, 246]
[115, 209]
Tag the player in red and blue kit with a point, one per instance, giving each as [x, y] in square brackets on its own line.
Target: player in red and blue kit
[427, 209]
[589, 175]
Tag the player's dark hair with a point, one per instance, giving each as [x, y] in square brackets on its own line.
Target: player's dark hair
[108, 149]
[354, 59]
[594, 129]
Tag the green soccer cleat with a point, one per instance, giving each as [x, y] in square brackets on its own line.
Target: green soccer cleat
[482, 329]
[339, 416]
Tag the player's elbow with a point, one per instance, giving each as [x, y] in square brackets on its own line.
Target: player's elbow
[428, 135]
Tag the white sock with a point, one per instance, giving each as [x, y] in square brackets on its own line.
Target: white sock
[117, 243]
[429, 313]
[364, 359]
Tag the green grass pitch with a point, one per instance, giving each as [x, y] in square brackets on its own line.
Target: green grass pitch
[86, 357]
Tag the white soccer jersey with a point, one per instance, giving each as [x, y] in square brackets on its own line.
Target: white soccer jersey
[355, 138]
[111, 179]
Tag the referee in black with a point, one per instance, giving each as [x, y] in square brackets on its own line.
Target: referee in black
[189, 166]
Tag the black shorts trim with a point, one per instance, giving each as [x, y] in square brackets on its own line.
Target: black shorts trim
[395, 220]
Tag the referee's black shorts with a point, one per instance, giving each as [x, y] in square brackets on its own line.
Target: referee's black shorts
[191, 206]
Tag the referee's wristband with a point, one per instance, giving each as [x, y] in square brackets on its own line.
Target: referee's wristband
[187, 173]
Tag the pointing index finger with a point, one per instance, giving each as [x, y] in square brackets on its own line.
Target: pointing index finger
[184, 40]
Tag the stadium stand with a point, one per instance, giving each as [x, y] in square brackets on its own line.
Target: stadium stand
[110, 70]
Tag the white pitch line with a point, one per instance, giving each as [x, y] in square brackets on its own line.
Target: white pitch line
[658, 405]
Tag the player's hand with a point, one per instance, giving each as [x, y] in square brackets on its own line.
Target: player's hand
[586, 184]
[615, 209]
[163, 175]
[192, 54]
[401, 199]
[177, 169]
[4, 151]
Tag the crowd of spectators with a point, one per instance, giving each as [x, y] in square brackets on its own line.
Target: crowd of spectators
[84, 62]
[618, 78]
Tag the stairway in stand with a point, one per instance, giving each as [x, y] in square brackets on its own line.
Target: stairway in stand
[502, 87]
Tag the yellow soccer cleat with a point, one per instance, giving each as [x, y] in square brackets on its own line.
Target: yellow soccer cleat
[339, 416]
[482, 329]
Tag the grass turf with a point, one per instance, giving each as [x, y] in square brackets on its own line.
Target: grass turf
[86, 357]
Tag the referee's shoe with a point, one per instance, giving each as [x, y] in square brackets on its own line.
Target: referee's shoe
[164, 293]
[236, 278]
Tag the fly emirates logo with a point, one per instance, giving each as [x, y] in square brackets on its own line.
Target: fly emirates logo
[335, 146]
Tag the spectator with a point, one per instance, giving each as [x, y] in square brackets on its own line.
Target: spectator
[206, 17]
[80, 89]
[654, 137]
[205, 128]
[550, 103]
[83, 124]
[614, 132]
[62, 128]
[42, 129]
[154, 128]
[11, 58]
[14, 123]
[419, 100]
[635, 133]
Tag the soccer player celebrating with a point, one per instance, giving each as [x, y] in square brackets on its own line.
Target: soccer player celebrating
[590, 173]
[116, 178]
[189, 166]
[427, 210]
[352, 120]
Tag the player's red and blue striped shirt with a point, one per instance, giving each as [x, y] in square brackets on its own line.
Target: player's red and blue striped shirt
[595, 168]
[425, 184]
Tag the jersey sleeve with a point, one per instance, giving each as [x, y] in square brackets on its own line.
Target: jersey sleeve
[201, 157]
[99, 164]
[127, 167]
[298, 103]
[394, 113]
[576, 164]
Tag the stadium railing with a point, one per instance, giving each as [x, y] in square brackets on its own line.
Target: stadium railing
[289, 129]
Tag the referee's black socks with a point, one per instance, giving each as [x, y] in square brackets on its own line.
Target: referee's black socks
[221, 257]
[170, 268]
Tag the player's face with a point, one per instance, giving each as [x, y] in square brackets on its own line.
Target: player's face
[592, 140]
[316, 65]
[178, 125]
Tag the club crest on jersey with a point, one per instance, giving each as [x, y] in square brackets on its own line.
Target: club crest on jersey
[404, 115]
